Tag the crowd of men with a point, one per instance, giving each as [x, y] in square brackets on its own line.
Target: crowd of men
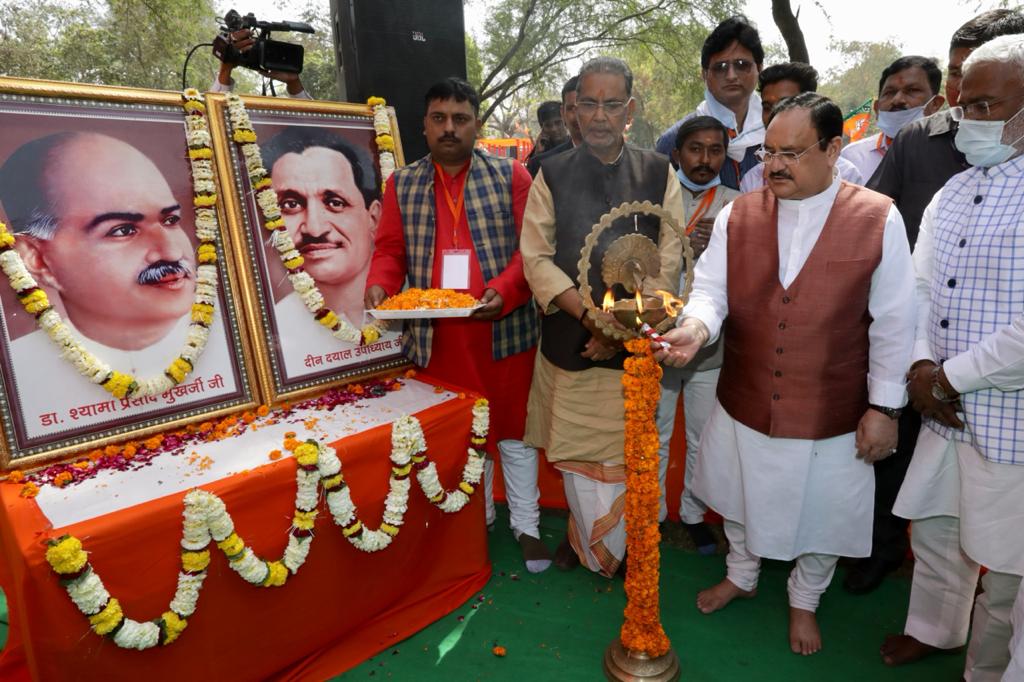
[831, 283]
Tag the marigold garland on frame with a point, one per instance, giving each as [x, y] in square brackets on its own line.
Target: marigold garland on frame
[204, 200]
[244, 135]
[206, 520]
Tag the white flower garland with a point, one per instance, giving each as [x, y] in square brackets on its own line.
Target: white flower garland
[206, 518]
[244, 135]
[119, 384]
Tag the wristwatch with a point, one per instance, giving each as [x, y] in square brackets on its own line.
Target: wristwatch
[938, 392]
[890, 412]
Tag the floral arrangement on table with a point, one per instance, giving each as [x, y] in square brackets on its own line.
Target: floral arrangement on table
[641, 382]
[206, 520]
[244, 135]
[427, 299]
[204, 200]
[135, 454]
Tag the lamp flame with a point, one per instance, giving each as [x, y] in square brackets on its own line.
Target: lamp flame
[609, 301]
[673, 306]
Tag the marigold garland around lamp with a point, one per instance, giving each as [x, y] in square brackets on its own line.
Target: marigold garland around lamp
[642, 650]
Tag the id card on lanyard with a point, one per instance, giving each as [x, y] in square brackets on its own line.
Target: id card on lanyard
[454, 261]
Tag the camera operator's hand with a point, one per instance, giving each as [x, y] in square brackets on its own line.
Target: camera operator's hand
[242, 41]
[291, 80]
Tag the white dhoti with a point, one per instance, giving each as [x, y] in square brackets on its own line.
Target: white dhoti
[698, 390]
[945, 578]
[519, 468]
[793, 496]
[596, 495]
[1015, 671]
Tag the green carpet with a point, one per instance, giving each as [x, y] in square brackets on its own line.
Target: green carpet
[555, 626]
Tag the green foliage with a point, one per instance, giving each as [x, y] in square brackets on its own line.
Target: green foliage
[529, 46]
[137, 43]
[849, 87]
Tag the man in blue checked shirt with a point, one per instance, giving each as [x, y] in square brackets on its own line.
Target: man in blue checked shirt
[964, 490]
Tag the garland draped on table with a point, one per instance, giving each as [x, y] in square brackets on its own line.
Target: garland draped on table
[204, 200]
[641, 382]
[206, 519]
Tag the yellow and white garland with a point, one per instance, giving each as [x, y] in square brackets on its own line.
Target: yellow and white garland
[244, 135]
[204, 199]
[385, 141]
[206, 519]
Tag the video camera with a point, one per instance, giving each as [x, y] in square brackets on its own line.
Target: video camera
[265, 54]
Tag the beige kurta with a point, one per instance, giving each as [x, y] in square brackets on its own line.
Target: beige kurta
[580, 415]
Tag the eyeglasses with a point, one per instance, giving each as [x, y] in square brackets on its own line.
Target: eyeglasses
[980, 110]
[721, 69]
[787, 158]
[612, 107]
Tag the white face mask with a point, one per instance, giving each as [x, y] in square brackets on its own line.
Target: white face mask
[890, 122]
[982, 141]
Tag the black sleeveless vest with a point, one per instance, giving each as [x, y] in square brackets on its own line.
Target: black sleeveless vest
[583, 189]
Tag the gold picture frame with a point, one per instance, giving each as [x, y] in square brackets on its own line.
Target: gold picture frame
[114, 120]
[295, 355]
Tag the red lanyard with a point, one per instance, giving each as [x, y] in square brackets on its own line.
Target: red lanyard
[455, 208]
[702, 208]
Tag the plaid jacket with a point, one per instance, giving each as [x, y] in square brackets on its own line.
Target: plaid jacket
[488, 194]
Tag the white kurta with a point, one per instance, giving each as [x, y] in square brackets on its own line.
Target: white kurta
[958, 481]
[799, 496]
[866, 154]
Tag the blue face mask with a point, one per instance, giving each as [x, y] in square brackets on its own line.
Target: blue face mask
[890, 122]
[982, 141]
[693, 186]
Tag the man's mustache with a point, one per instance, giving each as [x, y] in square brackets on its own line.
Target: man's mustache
[705, 169]
[162, 268]
[312, 240]
[780, 175]
[448, 137]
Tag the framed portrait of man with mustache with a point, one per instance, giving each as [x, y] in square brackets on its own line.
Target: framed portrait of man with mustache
[324, 167]
[98, 194]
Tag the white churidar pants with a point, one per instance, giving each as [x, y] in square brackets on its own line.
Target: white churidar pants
[698, 390]
[808, 580]
[519, 464]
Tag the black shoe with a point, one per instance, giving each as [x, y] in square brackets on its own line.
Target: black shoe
[702, 537]
[867, 574]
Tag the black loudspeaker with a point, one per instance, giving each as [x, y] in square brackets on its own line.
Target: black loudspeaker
[396, 49]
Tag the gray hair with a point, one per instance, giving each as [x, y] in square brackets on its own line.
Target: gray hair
[605, 64]
[1004, 49]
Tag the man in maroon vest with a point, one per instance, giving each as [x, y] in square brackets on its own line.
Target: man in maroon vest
[811, 280]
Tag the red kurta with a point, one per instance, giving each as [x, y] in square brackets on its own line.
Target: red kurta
[461, 351]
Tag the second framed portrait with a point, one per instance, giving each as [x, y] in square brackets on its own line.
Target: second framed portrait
[324, 167]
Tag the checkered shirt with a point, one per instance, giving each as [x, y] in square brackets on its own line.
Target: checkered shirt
[488, 193]
[977, 288]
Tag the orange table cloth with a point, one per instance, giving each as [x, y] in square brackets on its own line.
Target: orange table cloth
[343, 606]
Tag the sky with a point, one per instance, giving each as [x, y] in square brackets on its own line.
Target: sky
[920, 26]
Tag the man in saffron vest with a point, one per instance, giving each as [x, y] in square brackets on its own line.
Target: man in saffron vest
[576, 409]
[451, 220]
[811, 283]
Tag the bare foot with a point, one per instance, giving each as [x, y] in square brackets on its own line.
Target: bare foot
[804, 635]
[715, 598]
[900, 649]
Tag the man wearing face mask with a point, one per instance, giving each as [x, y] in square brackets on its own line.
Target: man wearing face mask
[965, 485]
[730, 61]
[919, 162]
[700, 151]
[908, 90]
